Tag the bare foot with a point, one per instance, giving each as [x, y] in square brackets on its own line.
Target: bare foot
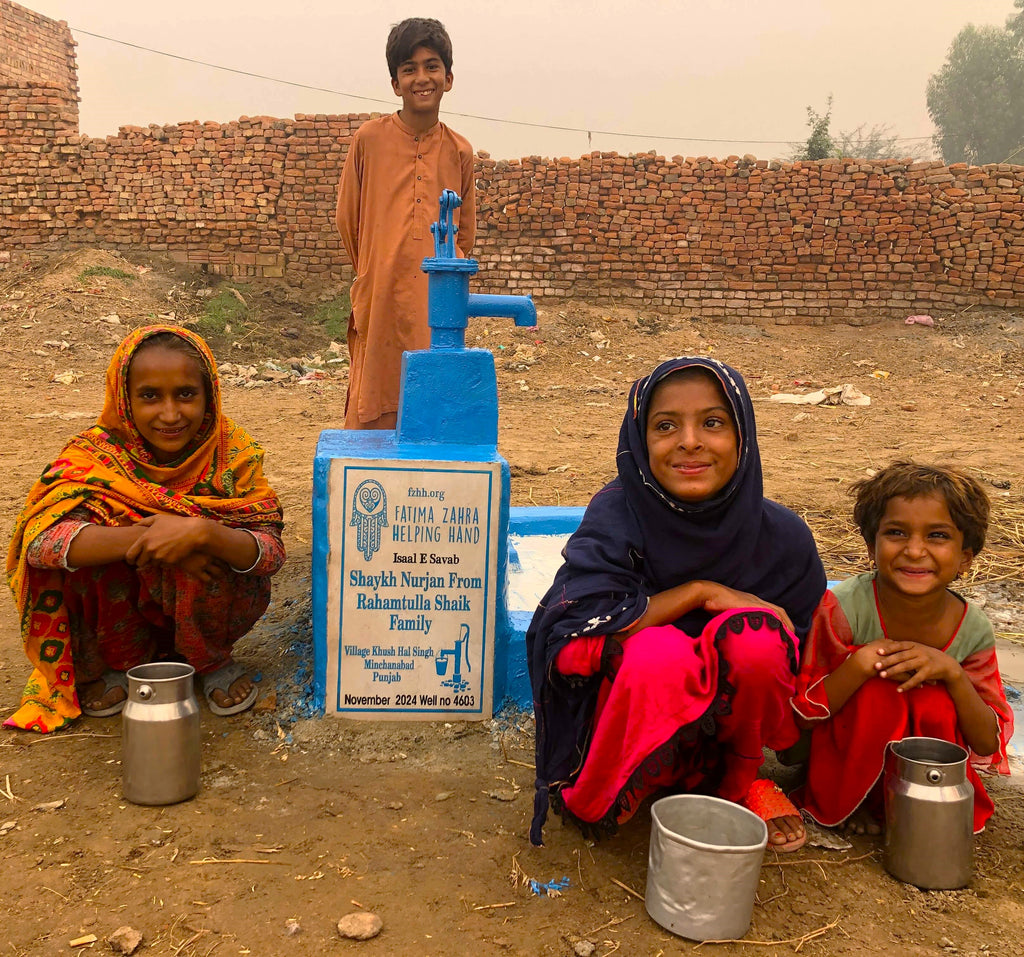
[861, 822]
[785, 830]
[93, 697]
[236, 693]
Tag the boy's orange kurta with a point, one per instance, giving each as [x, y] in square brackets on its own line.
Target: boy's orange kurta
[387, 199]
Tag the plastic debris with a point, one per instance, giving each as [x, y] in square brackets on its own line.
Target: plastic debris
[845, 394]
[550, 889]
[919, 321]
[827, 838]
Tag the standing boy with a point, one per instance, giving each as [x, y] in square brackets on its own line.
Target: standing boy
[396, 168]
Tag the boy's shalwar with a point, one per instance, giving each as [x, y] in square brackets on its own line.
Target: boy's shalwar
[387, 199]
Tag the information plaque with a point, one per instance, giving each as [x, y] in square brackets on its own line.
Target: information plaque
[411, 577]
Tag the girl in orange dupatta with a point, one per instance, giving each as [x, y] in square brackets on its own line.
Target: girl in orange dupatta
[153, 534]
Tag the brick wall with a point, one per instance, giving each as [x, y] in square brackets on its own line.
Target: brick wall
[801, 242]
[36, 49]
[805, 242]
[252, 197]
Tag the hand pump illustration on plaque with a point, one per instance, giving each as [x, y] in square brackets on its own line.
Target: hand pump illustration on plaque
[456, 681]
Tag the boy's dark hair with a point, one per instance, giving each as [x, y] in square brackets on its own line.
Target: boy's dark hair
[966, 500]
[415, 32]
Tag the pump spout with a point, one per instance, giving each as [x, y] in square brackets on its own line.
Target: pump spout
[518, 308]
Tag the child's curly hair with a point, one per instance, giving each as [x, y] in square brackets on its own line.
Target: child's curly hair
[415, 32]
[966, 500]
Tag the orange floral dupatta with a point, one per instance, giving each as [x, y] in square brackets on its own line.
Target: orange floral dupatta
[109, 471]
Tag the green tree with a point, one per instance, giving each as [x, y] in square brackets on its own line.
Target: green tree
[1015, 23]
[875, 142]
[819, 144]
[863, 142]
[976, 100]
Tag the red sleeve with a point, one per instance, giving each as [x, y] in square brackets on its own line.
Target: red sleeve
[829, 643]
[581, 656]
[49, 549]
[982, 669]
[271, 556]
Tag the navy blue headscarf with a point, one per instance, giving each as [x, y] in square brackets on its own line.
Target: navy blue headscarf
[636, 540]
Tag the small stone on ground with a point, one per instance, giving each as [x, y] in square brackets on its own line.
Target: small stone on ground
[125, 940]
[360, 926]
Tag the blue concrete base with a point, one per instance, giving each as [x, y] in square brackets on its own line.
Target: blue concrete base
[383, 446]
[513, 664]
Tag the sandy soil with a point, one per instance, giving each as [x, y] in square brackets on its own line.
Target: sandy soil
[302, 820]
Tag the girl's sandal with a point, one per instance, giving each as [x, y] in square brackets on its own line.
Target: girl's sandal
[766, 799]
[221, 680]
[111, 679]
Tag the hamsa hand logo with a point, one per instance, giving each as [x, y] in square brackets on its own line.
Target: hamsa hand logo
[369, 515]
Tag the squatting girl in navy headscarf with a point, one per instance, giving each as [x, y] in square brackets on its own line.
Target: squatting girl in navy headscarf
[665, 652]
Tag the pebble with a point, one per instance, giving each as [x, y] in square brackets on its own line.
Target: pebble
[360, 926]
[443, 795]
[394, 805]
[266, 702]
[125, 940]
[155, 836]
[502, 794]
[583, 948]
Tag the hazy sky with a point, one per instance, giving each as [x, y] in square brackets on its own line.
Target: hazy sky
[737, 71]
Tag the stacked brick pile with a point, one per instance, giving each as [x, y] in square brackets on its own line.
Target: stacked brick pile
[37, 127]
[807, 242]
[245, 197]
[36, 49]
[804, 242]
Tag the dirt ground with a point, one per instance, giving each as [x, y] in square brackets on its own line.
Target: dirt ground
[302, 820]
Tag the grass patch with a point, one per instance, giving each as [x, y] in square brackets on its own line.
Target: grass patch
[227, 308]
[109, 271]
[333, 316]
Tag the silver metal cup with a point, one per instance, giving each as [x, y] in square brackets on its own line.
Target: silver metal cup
[160, 753]
[929, 814]
[703, 866]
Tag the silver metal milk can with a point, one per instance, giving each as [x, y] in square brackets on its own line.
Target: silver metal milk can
[160, 734]
[929, 814]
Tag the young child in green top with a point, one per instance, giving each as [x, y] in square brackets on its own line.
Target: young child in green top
[895, 653]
